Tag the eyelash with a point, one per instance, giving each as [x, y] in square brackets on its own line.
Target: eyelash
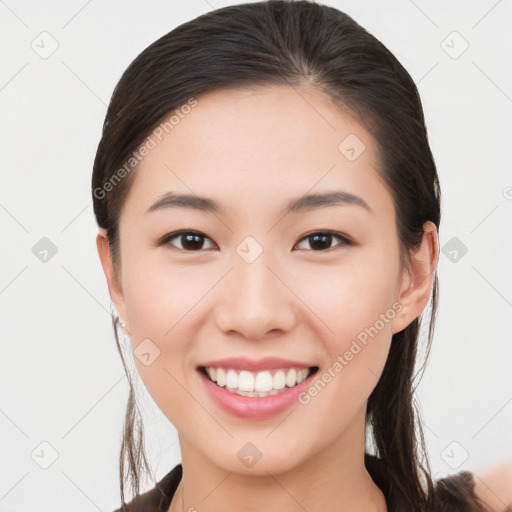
[166, 240]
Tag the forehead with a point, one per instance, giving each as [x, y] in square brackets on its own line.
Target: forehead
[259, 146]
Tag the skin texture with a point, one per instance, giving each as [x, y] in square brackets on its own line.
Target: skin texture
[254, 150]
[494, 487]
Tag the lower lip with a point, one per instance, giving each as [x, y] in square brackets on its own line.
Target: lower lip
[249, 407]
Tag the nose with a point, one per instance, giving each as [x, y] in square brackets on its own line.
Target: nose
[258, 302]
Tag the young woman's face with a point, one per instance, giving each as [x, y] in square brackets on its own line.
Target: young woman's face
[257, 281]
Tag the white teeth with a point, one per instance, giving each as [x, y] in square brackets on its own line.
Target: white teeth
[245, 381]
[221, 377]
[231, 379]
[291, 377]
[261, 384]
[279, 380]
[301, 375]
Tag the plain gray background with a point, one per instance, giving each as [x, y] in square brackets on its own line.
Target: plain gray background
[62, 380]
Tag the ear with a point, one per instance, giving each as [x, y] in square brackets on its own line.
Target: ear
[417, 279]
[114, 285]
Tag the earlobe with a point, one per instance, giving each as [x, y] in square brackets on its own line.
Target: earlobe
[114, 285]
[418, 278]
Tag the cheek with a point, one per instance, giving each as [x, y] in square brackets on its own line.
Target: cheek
[354, 295]
[354, 302]
[160, 294]
[162, 303]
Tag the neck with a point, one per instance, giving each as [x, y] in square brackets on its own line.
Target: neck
[335, 476]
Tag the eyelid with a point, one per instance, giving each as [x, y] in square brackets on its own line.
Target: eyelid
[345, 239]
[166, 239]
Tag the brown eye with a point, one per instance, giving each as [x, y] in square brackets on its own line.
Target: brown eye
[191, 241]
[194, 241]
[322, 240]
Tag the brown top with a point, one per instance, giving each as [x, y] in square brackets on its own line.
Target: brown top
[454, 493]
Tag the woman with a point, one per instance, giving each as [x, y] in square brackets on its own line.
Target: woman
[269, 209]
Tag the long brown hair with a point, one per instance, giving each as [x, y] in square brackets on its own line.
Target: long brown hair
[291, 43]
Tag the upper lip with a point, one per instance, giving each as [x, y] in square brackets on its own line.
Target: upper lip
[244, 363]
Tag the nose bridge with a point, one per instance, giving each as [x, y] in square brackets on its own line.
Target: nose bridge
[258, 301]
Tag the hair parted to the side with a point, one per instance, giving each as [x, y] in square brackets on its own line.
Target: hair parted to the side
[292, 43]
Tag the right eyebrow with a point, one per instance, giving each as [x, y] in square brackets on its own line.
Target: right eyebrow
[298, 205]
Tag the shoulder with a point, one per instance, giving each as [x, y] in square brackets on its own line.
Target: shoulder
[494, 488]
[158, 498]
[460, 492]
[457, 492]
[488, 492]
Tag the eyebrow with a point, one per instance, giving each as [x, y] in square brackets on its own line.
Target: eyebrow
[302, 204]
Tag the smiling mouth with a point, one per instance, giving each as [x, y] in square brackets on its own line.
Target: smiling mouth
[257, 384]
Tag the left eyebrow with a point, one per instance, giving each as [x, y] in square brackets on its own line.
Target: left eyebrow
[173, 200]
[301, 204]
[314, 201]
